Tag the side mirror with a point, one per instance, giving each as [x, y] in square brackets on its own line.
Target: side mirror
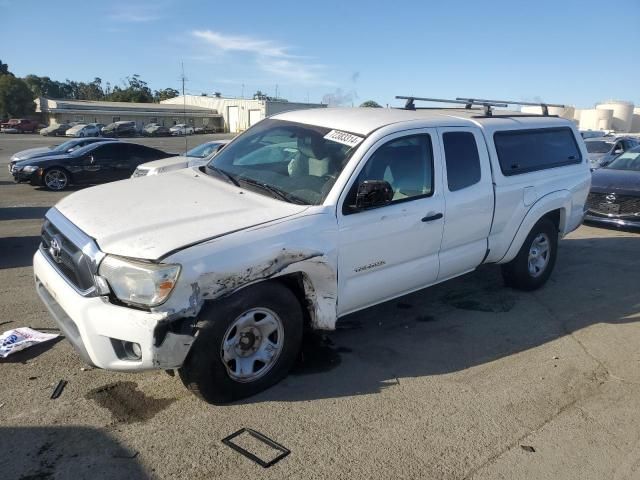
[91, 159]
[373, 193]
[618, 151]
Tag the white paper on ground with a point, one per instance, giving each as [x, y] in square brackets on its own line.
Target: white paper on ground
[18, 339]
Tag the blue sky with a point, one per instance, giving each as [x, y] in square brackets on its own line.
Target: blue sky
[573, 52]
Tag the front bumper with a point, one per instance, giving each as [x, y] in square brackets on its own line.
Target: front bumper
[96, 327]
[612, 221]
[31, 177]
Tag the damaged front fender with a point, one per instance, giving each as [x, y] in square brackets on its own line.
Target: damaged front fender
[222, 267]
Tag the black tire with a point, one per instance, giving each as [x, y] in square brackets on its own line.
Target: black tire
[518, 273]
[204, 371]
[61, 173]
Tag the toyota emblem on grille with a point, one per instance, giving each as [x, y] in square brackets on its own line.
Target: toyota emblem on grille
[611, 197]
[55, 250]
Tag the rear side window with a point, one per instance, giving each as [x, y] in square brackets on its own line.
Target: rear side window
[522, 151]
[462, 159]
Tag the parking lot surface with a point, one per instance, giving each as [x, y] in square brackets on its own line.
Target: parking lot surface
[467, 379]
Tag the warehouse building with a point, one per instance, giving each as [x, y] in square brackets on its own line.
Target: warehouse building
[240, 113]
[89, 111]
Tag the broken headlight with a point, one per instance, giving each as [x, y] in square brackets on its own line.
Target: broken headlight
[139, 283]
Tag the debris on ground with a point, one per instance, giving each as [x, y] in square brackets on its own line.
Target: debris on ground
[58, 390]
[128, 454]
[256, 441]
[2, 404]
[18, 339]
[528, 448]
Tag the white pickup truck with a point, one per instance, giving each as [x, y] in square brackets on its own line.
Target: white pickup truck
[304, 218]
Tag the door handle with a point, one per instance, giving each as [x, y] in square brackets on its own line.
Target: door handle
[431, 218]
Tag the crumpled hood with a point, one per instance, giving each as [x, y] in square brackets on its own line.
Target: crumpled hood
[609, 180]
[148, 217]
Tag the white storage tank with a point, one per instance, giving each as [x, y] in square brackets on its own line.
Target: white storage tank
[635, 123]
[622, 114]
[576, 115]
[596, 119]
[564, 112]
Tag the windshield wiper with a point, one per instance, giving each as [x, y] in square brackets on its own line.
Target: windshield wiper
[224, 174]
[275, 191]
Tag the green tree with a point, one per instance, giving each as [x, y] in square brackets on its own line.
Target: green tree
[165, 94]
[370, 104]
[133, 90]
[91, 91]
[16, 98]
[4, 69]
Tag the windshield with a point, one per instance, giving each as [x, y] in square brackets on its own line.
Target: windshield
[292, 161]
[626, 161]
[598, 147]
[63, 147]
[203, 150]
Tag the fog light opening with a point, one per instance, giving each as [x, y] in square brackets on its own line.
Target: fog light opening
[132, 350]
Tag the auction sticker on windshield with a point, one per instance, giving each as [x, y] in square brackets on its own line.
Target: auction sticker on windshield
[343, 137]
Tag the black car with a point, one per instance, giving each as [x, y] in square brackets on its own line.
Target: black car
[120, 129]
[96, 163]
[65, 147]
[615, 192]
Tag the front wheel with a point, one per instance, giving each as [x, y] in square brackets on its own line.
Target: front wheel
[55, 179]
[532, 267]
[245, 344]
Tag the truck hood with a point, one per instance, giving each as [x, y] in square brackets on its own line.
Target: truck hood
[178, 162]
[148, 217]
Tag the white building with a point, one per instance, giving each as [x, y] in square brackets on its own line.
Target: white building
[240, 113]
[90, 111]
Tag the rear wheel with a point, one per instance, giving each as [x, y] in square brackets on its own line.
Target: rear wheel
[532, 267]
[55, 179]
[245, 344]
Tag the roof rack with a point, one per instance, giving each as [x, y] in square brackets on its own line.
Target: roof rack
[544, 106]
[470, 102]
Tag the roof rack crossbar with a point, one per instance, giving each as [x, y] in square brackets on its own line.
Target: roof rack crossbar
[467, 102]
[543, 105]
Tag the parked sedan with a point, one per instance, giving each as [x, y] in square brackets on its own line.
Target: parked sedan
[155, 130]
[603, 150]
[182, 129]
[65, 147]
[84, 130]
[195, 157]
[120, 129]
[99, 162]
[55, 129]
[615, 192]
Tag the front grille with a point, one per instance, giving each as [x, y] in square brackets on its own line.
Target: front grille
[599, 203]
[70, 261]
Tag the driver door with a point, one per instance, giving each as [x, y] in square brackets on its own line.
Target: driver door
[391, 250]
[101, 164]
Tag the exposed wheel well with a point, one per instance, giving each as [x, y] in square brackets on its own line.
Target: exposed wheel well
[295, 283]
[555, 216]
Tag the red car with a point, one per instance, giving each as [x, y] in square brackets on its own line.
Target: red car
[19, 125]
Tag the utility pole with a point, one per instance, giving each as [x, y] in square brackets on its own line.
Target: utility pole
[184, 110]
[276, 91]
[242, 91]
